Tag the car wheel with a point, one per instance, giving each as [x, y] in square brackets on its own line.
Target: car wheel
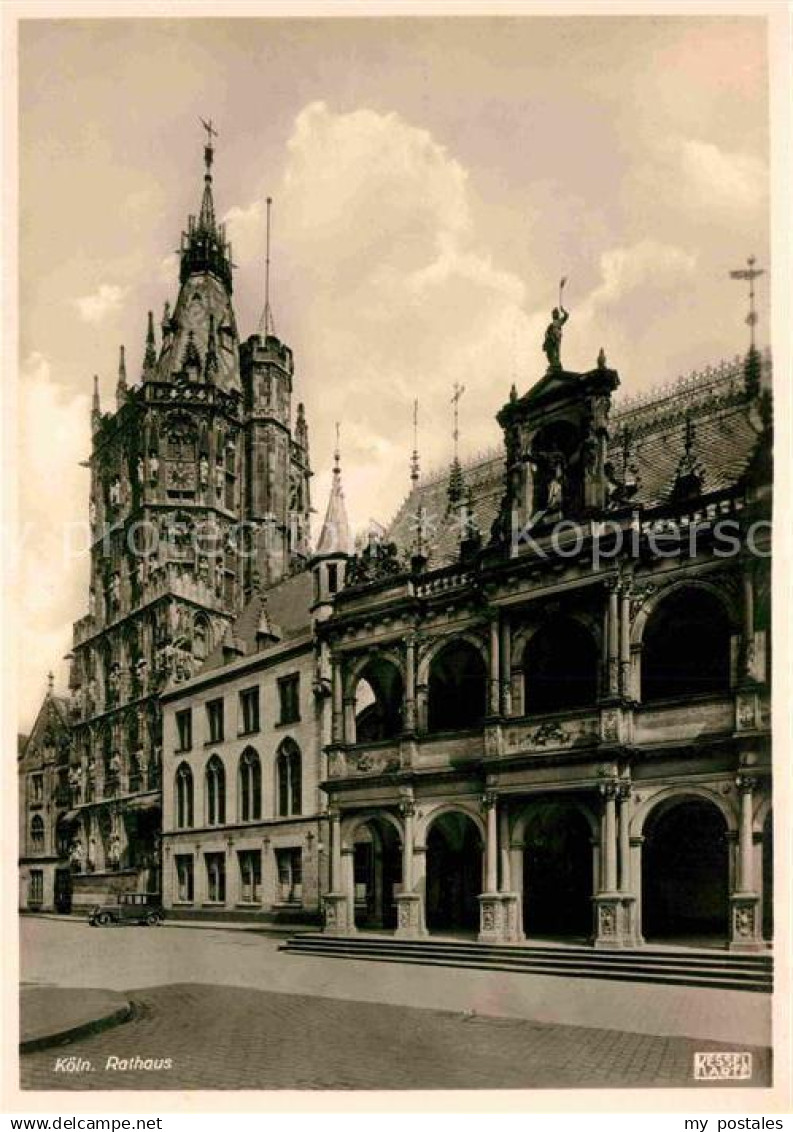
[103, 919]
[154, 919]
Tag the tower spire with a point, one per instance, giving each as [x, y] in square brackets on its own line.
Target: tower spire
[150, 354]
[96, 409]
[204, 246]
[266, 322]
[335, 537]
[206, 219]
[121, 387]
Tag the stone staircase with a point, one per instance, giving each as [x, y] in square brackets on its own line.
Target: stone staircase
[721, 970]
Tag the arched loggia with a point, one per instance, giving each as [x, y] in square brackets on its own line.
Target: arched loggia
[454, 873]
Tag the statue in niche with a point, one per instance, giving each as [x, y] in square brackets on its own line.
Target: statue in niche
[154, 468]
[76, 854]
[114, 850]
[219, 477]
[203, 470]
[91, 856]
[552, 343]
[555, 489]
[141, 470]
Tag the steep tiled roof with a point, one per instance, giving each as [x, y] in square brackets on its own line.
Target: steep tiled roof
[654, 426]
[287, 606]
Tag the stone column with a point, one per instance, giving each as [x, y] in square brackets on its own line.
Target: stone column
[495, 667]
[337, 725]
[745, 927]
[747, 652]
[497, 909]
[608, 905]
[506, 665]
[625, 644]
[349, 720]
[410, 905]
[628, 909]
[410, 683]
[613, 639]
[339, 906]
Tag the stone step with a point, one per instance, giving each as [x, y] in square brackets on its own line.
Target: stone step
[720, 971]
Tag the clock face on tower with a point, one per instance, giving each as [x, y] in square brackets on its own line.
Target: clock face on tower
[180, 476]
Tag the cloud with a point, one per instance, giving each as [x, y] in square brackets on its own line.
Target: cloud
[718, 179]
[245, 230]
[107, 299]
[51, 580]
[400, 296]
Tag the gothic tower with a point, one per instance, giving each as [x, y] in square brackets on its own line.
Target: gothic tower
[196, 451]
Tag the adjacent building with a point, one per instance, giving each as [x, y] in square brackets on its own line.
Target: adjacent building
[43, 783]
[244, 821]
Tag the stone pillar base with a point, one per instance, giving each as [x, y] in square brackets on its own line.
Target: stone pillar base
[339, 915]
[499, 921]
[615, 921]
[745, 928]
[410, 916]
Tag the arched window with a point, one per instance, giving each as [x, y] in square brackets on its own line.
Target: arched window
[201, 640]
[216, 792]
[686, 647]
[250, 786]
[378, 702]
[184, 797]
[289, 773]
[560, 668]
[457, 688]
[37, 833]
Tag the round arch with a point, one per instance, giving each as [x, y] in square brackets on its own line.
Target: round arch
[351, 823]
[355, 669]
[454, 870]
[457, 686]
[685, 874]
[426, 821]
[431, 649]
[523, 820]
[652, 603]
[680, 792]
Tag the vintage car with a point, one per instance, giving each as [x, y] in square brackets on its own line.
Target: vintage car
[130, 908]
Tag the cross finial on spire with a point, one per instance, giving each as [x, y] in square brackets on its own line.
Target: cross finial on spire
[458, 392]
[750, 273]
[337, 452]
[414, 459]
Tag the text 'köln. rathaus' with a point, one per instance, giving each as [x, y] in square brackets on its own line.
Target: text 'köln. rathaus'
[534, 707]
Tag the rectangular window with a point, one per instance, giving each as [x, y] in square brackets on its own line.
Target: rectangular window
[184, 878]
[216, 877]
[184, 728]
[215, 720]
[36, 789]
[289, 695]
[333, 577]
[250, 861]
[249, 710]
[290, 875]
[36, 887]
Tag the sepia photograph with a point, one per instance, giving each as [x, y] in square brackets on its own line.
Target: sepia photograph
[392, 577]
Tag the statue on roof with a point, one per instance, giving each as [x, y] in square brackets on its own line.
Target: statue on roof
[552, 343]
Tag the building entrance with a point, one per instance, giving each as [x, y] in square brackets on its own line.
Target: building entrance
[377, 866]
[454, 873]
[685, 873]
[557, 874]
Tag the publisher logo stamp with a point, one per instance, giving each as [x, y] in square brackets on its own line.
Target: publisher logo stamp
[717, 1066]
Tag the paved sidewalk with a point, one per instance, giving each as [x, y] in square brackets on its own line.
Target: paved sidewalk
[219, 1037]
[51, 1015]
[260, 927]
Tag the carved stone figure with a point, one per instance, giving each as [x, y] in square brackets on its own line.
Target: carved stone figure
[552, 343]
[556, 487]
[203, 470]
[154, 468]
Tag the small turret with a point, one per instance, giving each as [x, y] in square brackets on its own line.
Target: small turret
[335, 543]
[150, 355]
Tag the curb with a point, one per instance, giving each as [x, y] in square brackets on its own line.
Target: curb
[94, 1026]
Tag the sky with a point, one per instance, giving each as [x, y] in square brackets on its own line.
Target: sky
[432, 180]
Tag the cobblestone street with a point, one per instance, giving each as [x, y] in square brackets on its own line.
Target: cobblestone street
[293, 1022]
[230, 1038]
